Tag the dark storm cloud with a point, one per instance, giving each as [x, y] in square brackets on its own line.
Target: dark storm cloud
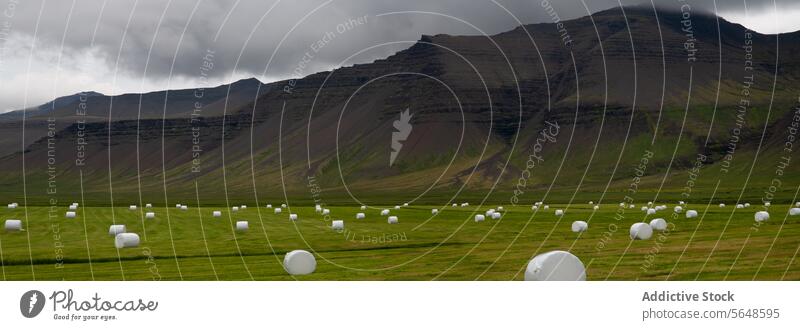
[156, 39]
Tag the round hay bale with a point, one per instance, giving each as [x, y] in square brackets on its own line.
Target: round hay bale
[150, 215]
[148, 205]
[596, 207]
[12, 206]
[500, 208]
[115, 230]
[283, 205]
[746, 204]
[363, 207]
[360, 215]
[405, 204]
[72, 207]
[559, 213]
[243, 207]
[767, 204]
[337, 224]
[299, 262]
[641, 231]
[677, 209]
[721, 205]
[496, 215]
[455, 205]
[489, 212]
[216, 214]
[392, 219]
[326, 211]
[591, 203]
[546, 207]
[794, 211]
[579, 226]
[235, 209]
[184, 208]
[242, 226]
[318, 208]
[385, 212]
[126, 240]
[658, 224]
[739, 206]
[762, 216]
[269, 206]
[177, 206]
[70, 214]
[479, 217]
[13, 225]
[293, 216]
[535, 208]
[555, 266]
[132, 207]
[435, 211]
[691, 214]
[651, 211]
[278, 210]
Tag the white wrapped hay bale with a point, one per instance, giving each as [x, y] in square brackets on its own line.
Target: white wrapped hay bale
[464, 204]
[435, 211]
[126, 240]
[70, 214]
[596, 207]
[148, 205]
[184, 208]
[299, 262]
[641, 231]
[721, 205]
[12, 206]
[591, 203]
[535, 208]
[661, 207]
[579, 226]
[681, 203]
[479, 217]
[746, 204]
[546, 207]
[651, 211]
[739, 206]
[13, 225]
[73, 207]
[555, 266]
[649, 203]
[631, 206]
[496, 215]
[242, 226]
[293, 216]
[278, 210]
[337, 224]
[500, 208]
[767, 204]
[243, 207]
[318, 208]
[385, 212]
[360, 215]
[658, 224]
[177, 206]
[392, 219]
[397, 207]
[216, 214]
[235, 209]
[489, 212]
[797, 204]
[644, 208]
[691, 214]
[621, 204]
[326, 211]
[455, 205]
[132, 207]
[363, 207]
[115, 230]
[405, 204]
[269, 206]
[678, 209]
[283, 205]
[559, 212]
[762, 216]
[794, 211]
[150, 215]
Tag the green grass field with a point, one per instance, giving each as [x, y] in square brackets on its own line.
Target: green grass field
[449, 246]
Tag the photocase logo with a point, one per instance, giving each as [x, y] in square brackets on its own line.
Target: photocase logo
[403, 130]
[31, 303]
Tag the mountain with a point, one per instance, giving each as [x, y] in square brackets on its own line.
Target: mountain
[618, 94]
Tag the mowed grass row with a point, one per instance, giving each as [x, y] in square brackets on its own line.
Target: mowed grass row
[193, 245]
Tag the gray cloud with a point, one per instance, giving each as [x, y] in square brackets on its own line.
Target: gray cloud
[144, 44]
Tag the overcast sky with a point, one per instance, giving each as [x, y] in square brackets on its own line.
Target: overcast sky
[60, 47]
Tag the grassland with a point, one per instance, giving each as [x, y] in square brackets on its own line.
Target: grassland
[192, 245]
